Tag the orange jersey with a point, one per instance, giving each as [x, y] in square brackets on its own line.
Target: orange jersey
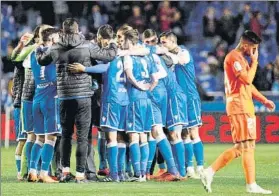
[238, 95]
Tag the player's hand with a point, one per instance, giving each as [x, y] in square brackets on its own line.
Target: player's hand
[161, 50]
[144, 86]
[270, 105]
[25, 39]
[254, 55]
[76, 68]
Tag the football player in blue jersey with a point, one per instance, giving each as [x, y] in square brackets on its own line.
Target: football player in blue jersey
[141, 74]
[175, 105]
[45, 127]
[185, 75]
[114, 104]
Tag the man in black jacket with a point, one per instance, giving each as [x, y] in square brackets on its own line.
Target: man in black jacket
[74, 90]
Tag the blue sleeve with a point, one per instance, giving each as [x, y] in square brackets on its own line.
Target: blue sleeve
[100, 68]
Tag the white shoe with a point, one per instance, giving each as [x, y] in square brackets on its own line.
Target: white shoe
[192, 174]
[254, 188]
[142, 178]
[206, 180]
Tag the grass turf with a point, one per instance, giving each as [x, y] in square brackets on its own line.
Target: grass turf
[229, 181]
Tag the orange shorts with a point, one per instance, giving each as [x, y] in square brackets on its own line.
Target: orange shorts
[243, 127]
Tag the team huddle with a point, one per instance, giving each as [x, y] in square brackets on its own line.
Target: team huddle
[149, 102]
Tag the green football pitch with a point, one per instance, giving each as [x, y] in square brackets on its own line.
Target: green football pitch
[227, 182]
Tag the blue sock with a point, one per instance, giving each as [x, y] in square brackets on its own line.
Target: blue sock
[39, 165]
[121, 157]
[198, 151]
[112, 159]
[144, 152]
[188, 153]
[102, 152]
[35, 154]
[18, 162]
[162, 166]
[180, 157]
[152, 152]
[47, 154]
[174, 154]
[135, 158]
[27, 152]
[165, 149]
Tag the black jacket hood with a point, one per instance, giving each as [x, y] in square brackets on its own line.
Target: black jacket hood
[71, 40]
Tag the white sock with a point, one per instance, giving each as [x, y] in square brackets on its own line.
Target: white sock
[191, 169]
[79, 175]
[33, 171]
[44, 173]
[253, 185]
[66, 170]
[210, 171]
[199, 168]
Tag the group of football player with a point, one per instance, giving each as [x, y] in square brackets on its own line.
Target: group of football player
[149, 107]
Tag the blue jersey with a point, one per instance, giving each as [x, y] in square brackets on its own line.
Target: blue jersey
[169, 82]
[185, 75]
[45, 79]
[114, 89]
[142, 69]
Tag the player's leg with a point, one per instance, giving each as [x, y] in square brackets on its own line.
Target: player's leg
[121, 159]
[35, 156]
[67, 111]
[152, 153]
[189, 153]
[102, 152]
[50, 131]
[144, 152]
[161, 164]
[112, 154]
[21, 138]
[27, 125]
[178, 148]
[135, 155]
[83, 121]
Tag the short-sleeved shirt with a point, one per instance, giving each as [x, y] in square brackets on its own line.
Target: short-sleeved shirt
[238, 94]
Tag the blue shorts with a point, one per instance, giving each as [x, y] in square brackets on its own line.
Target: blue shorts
[177, 110]
[18, 125]
[27, 116]
[159, 103]
[194, 112]
[45, 116]
[140, 116]
[113, 116]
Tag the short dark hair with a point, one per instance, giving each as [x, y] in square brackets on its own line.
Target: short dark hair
[132, 35]
[149, 33]
[70, 26]
[169, 34]
[90, 36]
[105, 31]
[251, 36]
[48, 32]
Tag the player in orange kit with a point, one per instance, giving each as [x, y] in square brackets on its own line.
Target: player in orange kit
[240, 91]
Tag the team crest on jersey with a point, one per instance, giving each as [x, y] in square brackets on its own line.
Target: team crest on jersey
[104, 119]
[237, 66]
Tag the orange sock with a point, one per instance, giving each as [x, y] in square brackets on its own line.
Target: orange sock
[248, 164]
[225, 158]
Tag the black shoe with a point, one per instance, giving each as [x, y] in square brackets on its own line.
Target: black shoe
[109, 179]
[25, 176]
[67, 178]
[81, 181]
[91, 177]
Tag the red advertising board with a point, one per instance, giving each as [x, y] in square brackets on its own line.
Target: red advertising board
[215, 129]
